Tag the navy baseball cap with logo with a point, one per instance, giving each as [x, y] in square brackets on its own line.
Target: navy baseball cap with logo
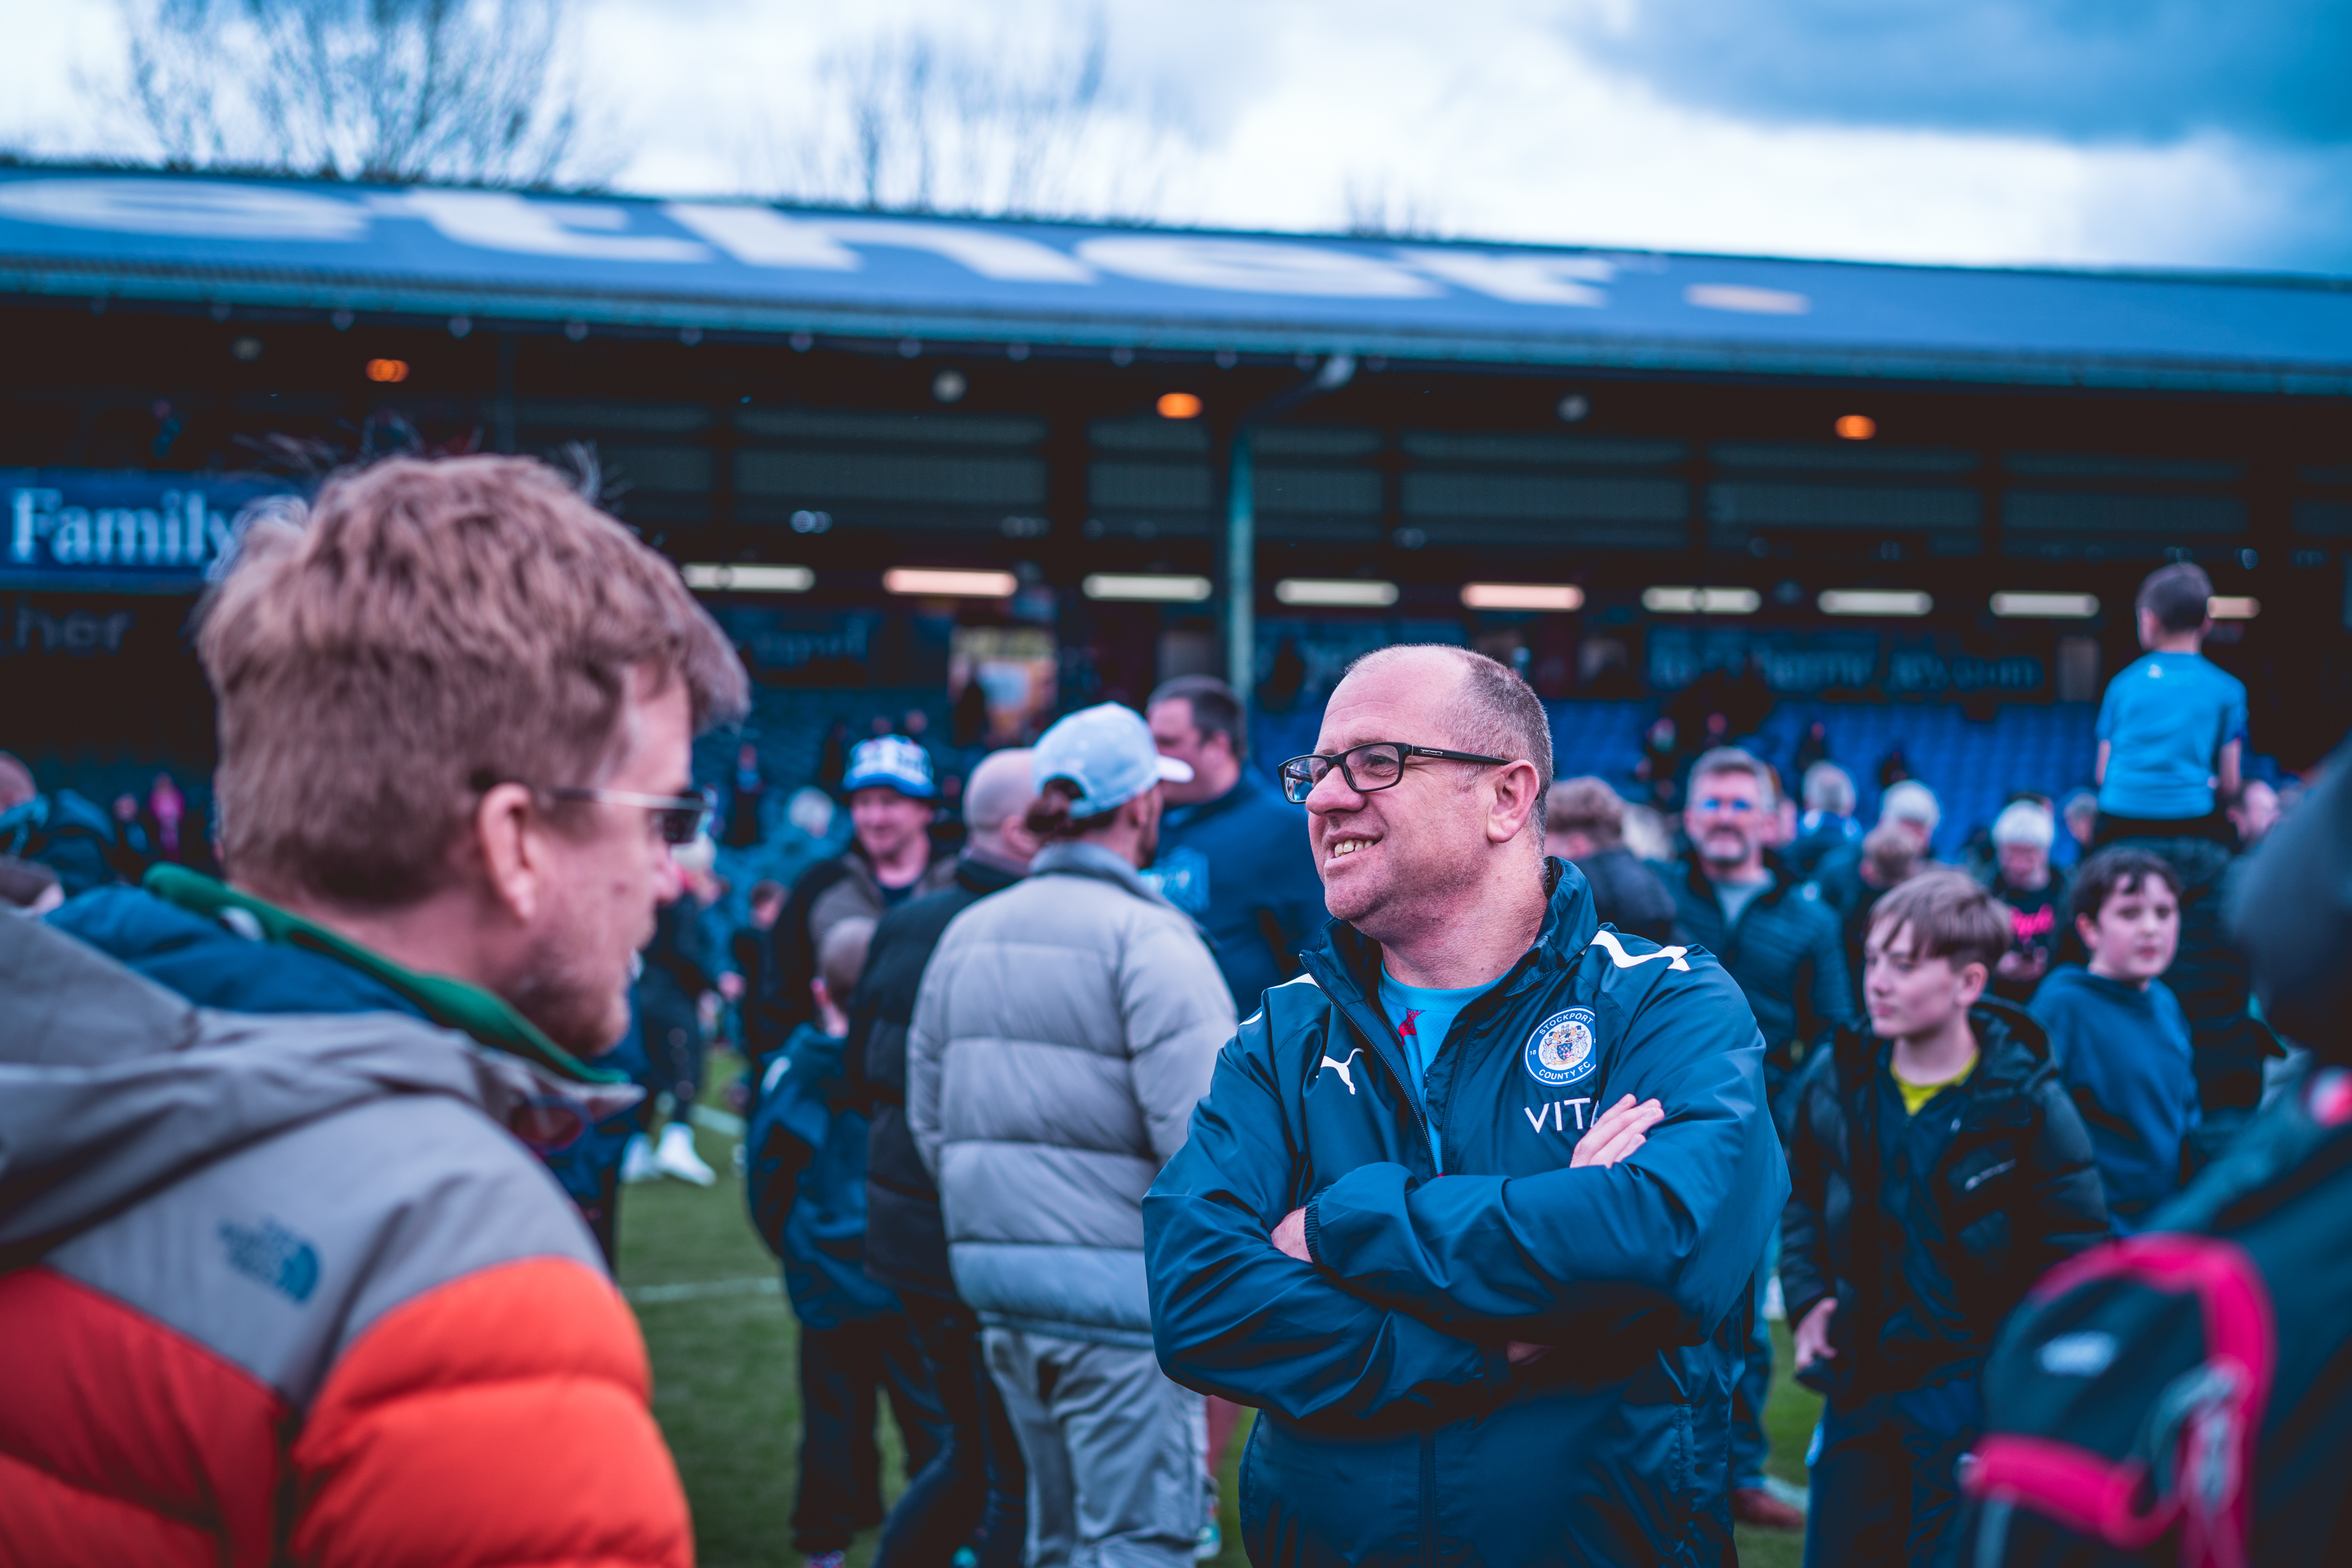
[893, 763]
[1107, 752]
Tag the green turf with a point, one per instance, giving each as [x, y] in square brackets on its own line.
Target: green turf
[726, 1399]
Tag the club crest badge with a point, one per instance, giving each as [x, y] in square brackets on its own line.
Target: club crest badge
[1560, 1050]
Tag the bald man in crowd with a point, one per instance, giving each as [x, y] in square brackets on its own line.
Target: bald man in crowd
[973, 1493]
[1530, 1361]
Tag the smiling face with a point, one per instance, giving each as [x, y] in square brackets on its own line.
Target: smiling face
[2136, 932]
[887, 822]
[1388, 856]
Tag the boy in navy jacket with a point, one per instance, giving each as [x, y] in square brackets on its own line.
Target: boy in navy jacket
[2117, 1034]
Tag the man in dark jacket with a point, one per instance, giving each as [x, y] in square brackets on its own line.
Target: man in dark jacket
[1232, 854]
[1938, 1168]
[1530, 1360]
[1781, 943]
[1773, 932]
[974, 1486]
[1585, 823]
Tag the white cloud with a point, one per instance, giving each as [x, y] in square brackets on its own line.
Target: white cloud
[1479, 114]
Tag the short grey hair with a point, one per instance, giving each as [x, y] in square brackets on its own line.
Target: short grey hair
[1829, 787]
[1910, 801]
[2024, 822]
[1739, 760]
[1495, 713]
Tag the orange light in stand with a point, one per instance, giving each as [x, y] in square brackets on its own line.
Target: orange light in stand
[387, 370]
[1178, 406]
[1855, 427]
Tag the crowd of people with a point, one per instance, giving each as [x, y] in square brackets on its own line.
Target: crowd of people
[1469, 1124]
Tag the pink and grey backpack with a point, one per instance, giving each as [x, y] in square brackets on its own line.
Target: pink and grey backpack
[2154, 1357]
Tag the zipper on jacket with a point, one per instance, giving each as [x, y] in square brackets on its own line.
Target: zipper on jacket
[1429, 1497]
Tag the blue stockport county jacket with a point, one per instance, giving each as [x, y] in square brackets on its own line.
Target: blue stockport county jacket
[1394, 1428]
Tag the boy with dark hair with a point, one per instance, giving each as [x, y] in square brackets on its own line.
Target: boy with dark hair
[2117, 1033]
[2171, 731]
[1937, 1168]
[804, 1178]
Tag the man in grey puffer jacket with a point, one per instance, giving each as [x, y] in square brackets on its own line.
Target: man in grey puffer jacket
[1065, 1028]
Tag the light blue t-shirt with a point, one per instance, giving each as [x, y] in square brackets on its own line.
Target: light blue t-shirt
[2165, 718]
[1423, 1017]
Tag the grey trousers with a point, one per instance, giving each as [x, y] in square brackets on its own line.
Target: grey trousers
[1117, 1455]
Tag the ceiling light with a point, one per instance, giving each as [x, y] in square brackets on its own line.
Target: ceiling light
[1178, 406]
[387, 370]
[948, 584]
[1523, 596]
[1151, 587]
[1875, 602]
[738, 577]
[2232, 607]
[1855, 427]
[2046, 606]
[1357, 593]
[1701, 601]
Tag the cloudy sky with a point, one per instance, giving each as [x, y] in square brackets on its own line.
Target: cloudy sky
[2140, 132]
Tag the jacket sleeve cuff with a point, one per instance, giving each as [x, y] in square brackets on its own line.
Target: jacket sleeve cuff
[1314, 1229]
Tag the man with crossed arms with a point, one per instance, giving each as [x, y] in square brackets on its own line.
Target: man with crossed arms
[1530, 1360]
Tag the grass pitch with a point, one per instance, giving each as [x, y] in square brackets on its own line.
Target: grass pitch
[724, 1346]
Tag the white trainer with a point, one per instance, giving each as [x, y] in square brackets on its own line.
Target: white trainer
[675, 1156]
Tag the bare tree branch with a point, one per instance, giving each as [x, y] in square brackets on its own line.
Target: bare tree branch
[927, 121]
[399, 90]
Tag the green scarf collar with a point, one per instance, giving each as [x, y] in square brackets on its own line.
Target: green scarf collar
[450, 1002]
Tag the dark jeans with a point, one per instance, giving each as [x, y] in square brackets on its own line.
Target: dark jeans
[975, 1490]
[673, 1037]
[842, 1370]
[1886, 1487]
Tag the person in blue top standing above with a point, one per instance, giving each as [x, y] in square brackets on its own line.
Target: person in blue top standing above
[2117, 1034]
[2172, 735]
[2172, 726]
[1530, 1360]
[1232, 854]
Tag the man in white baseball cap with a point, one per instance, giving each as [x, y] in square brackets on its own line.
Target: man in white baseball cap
[1065, 1028]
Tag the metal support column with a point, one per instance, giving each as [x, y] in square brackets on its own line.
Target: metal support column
[1240, 566]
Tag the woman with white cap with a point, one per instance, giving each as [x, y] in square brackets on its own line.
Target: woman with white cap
[1065, 1028]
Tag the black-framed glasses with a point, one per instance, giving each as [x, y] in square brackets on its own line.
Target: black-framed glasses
[679, 818]
[1374, 765]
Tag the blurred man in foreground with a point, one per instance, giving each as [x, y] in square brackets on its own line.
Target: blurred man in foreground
[287, 1279]
[1530, 1360]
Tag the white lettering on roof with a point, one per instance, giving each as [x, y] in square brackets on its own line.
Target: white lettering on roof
[1522, 278]
[498, 220]
[199, 208]
[1254, 266]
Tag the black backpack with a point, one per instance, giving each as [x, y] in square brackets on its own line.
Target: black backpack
[2146, 1399]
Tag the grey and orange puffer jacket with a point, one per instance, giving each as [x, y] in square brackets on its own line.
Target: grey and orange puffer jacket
[289, 1287]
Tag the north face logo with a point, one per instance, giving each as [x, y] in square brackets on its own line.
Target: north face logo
[273, 1255]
